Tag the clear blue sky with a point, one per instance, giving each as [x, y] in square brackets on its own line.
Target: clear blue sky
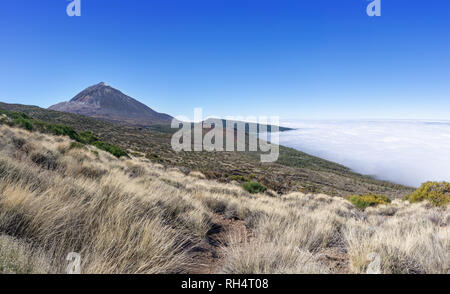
[295, 59]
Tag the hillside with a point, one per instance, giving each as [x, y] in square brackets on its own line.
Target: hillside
[131, 215]
[294, 171]
[105, 102]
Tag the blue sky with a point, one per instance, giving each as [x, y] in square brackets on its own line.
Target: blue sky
[295, 59]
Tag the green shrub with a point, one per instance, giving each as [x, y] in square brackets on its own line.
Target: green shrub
[89, 137]
[438, 193]
[114, 150]
[366, 200]
[252, 176]
[239, 178]
[254, 187]
[24, 121]
[63, 130]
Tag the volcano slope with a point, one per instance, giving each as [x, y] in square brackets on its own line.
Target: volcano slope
[294, 170]
[132, 215]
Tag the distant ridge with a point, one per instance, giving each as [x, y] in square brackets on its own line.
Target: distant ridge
[105, 102]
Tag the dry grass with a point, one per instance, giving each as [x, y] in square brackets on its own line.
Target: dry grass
[84, 202]
[409, 238]
[17, 257]
[415, 240]
[294, 171]
[260, 257]
[135, 216]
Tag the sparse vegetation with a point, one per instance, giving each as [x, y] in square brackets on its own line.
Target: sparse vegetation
[254, 187]
[154, 157]
[366, 200]
[24, 121]
[76, 145]
[114, 150]
[239, 178]
[294, 170]
[131, 215]
[437, 193]
[91, 205]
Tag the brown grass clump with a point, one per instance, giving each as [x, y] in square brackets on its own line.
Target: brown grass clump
[16, 257]
[258, 257]
[415, 240]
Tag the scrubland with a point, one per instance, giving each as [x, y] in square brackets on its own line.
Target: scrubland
[294, 170]
[131, 215]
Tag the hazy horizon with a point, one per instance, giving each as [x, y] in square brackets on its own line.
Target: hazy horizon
[408, 152]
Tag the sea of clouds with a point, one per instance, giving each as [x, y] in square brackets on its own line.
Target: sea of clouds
[405, 152]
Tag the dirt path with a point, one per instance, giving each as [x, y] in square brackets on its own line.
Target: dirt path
[209, 255]
[336, 260]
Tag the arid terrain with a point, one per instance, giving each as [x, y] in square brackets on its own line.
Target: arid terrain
[224, 145]
[294, 170]
[133, 215]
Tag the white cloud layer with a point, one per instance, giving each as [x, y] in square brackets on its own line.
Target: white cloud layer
[406, 152]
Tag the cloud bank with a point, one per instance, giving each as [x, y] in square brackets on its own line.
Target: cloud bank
[405, 152]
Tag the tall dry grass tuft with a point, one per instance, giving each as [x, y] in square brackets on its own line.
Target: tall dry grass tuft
[416, 240]
[264, 257]
[118, 223]
[17, 257]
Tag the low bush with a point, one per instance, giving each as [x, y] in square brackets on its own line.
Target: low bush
[366, 200]
[239, 178]
[88, 137]
[254, 187]
[63, 130]
[114, 150]
[24, 121]
[438, 193]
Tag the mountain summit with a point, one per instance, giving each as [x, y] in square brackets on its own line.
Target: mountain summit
[104, 102]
